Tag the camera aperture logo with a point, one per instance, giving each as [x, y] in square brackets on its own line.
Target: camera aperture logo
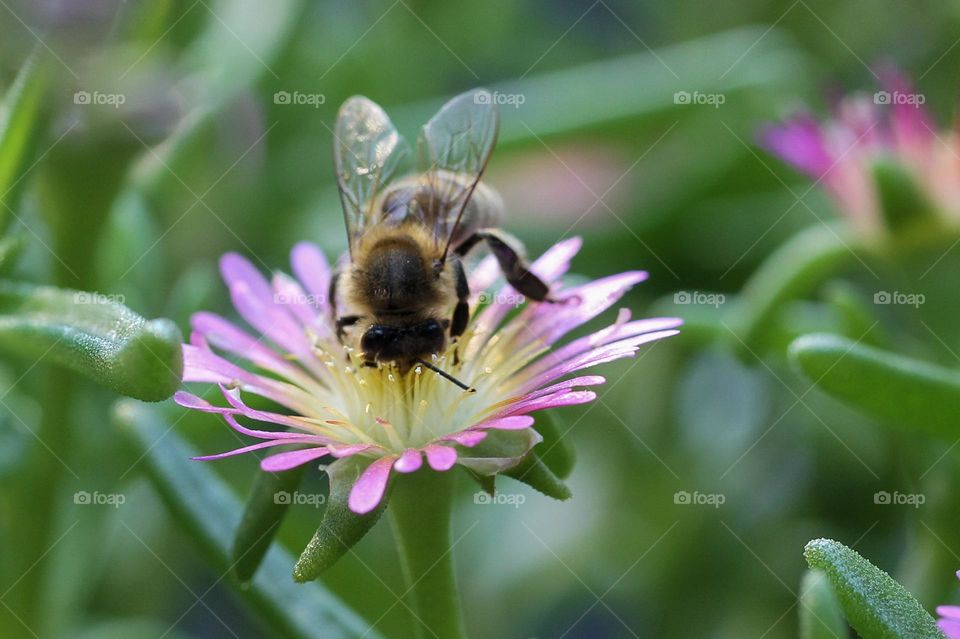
[298, 98]
[700, 98]
[896, 298]
[696, 498]
[896, 498]
[96, 498]
[296, 498]
[86, 297]
[499, 499]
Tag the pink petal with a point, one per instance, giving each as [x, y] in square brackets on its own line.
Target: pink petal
[467, 438]
[312, 269]
[515, 422]
[237, 269]
[950, 612]
[606, 353]
[349, 450]
[440, 457]
[225, 335]
[368, 490]
[291, 459]
[570, 398]
[553, 264]
[252, 447]
[950, 628]
[620, 330]
[409, 461]
[800, 142]
[289, 294]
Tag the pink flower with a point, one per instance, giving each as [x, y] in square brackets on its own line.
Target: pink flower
[336, 408]
[891, 124]
[949, 621]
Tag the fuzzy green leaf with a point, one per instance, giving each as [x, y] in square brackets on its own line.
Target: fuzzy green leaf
[340, 528]
[94, 336]
[899, 390]
[534, 472]
[874, 604]
[210, 512]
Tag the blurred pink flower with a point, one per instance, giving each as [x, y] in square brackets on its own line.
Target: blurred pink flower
[949, 621]
[840, 152]
[339, 408]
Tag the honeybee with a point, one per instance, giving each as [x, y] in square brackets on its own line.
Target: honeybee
[404, 283]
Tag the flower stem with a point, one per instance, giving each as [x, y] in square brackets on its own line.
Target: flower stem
[420, 508]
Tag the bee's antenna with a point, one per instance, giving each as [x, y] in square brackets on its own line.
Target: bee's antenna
[446, 375]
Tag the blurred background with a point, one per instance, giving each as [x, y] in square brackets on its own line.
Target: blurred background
[176, 130]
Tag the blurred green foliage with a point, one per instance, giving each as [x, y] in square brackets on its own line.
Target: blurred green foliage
[139, 198]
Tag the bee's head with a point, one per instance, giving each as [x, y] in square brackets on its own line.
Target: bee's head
[403, 344]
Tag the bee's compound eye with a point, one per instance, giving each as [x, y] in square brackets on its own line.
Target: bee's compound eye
[376, 338]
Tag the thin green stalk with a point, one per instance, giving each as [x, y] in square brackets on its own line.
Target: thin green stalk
[420, 508]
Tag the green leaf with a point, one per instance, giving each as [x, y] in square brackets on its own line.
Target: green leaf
[898, 390]
[874, 604]
[210, 512]
[534, 472]
[262, 517]
[795, 269]
[341, 528]
[857, 320]
[94, 336]
[558, 452]
[820, 614]
[19, 116]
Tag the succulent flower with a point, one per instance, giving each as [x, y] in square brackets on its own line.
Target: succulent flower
[335, 407]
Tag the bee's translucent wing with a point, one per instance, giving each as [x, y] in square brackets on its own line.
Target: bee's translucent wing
[367, 150]
[453, 150]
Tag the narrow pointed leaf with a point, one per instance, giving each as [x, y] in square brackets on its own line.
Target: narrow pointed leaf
[92, 335]
[874, 604]
[899, 390]
[535, 473]
[340, 528]
[820, 614]
[558, 452]
[207, 508]
[19, 116]
[264, 512]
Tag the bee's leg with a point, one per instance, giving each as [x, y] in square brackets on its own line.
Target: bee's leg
[461, 314]
[345, 321]
[515, 268]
